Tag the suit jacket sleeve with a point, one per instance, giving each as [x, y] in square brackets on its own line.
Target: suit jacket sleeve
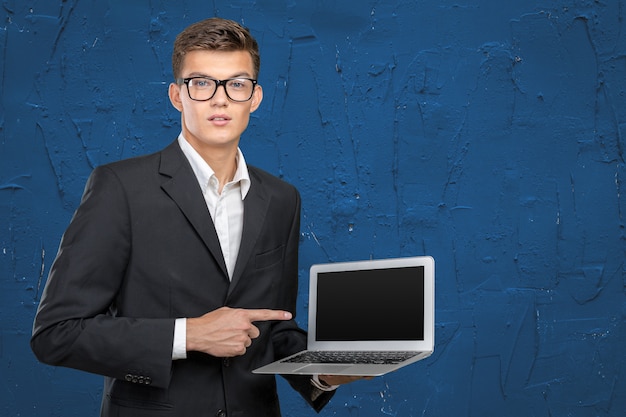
[75, 324]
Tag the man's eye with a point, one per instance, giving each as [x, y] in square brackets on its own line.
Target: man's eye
[237, 83]
[201, 83]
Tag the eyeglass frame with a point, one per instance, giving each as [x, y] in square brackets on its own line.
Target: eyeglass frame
[185, 81]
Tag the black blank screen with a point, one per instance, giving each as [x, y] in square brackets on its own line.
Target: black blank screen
[380, 304]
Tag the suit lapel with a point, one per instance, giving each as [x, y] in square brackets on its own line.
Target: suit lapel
[182, 186]
[255, 208]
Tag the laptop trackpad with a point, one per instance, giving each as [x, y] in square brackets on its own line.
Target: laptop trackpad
[323, 369]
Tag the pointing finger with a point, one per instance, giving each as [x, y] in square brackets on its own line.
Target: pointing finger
[265, 315]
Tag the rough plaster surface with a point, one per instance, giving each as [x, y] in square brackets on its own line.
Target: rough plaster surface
[487, 134]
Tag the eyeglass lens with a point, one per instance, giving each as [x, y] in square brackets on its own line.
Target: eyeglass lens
[237, 89]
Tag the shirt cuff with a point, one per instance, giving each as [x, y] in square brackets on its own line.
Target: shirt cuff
[179, 349]
[315, 380]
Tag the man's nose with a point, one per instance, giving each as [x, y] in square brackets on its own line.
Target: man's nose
[220, 95]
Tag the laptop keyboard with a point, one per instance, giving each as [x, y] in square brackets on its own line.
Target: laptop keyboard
[367, 357]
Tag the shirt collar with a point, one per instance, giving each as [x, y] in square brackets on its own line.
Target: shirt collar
[204, 172]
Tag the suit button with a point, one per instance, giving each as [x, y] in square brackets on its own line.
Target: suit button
[226, 362]
[128, 377]
[147, 380]
[220, 413]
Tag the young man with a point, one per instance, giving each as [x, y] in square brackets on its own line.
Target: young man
[177, 275]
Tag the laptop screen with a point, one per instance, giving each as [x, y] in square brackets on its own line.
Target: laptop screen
[374, 304]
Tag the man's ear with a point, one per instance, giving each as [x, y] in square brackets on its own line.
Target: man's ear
[174, 94]
[257, 98]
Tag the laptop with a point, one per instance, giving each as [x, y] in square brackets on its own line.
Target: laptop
[366, 318]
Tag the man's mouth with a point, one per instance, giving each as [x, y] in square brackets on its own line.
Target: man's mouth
[219, 118]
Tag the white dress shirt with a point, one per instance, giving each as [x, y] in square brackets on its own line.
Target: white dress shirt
[226, 210]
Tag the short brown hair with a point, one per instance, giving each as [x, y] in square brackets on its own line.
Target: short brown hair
[214, 34]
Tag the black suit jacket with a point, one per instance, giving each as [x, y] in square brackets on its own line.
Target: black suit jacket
[140, 251]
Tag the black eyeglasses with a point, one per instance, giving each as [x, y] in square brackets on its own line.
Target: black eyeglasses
[204, 88]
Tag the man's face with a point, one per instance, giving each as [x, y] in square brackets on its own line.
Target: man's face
[218, 122]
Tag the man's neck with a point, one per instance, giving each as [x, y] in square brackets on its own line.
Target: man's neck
[223, 162]
[222, 158]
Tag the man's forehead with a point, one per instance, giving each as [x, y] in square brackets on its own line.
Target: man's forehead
[210, 62]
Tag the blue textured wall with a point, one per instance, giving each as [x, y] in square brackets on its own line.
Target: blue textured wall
[489, 134]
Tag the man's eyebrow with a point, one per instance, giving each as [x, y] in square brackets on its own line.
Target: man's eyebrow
[202, 74]
[198, 74]
[242, 75]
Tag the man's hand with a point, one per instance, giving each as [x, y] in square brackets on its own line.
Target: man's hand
[341, 379]
[228, 332]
